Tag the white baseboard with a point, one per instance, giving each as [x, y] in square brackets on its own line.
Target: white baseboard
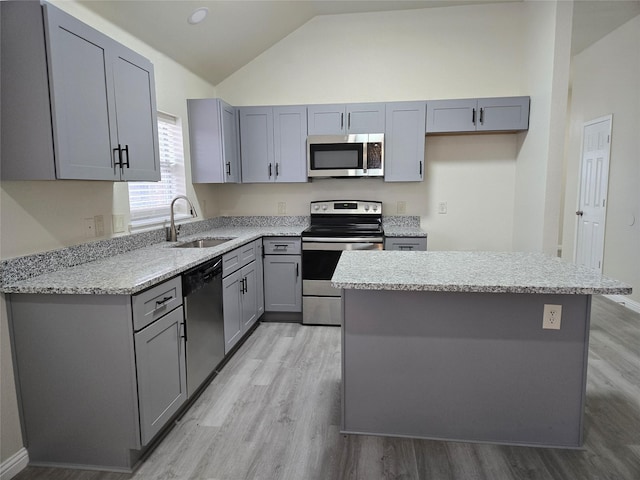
[625, 301]
[14, 464]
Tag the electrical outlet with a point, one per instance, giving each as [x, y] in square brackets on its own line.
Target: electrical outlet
[401, 208]
[442, 207]
[282, 208]
[551, 317]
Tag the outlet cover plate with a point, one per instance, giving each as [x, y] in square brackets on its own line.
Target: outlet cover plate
[551, 317]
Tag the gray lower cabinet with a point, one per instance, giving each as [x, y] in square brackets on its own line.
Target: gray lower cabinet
[259, 277]
[341, 119]
[404, 142]
[282, 274]
[75, 103]
[405, 243]
[240, 296]
[273, 144]
[500, 114]
[98, 376]
[214, 141]
[161, 370]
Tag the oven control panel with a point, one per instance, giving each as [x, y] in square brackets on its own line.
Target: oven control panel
[346, 207]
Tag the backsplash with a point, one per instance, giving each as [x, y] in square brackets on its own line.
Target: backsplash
[409, 221]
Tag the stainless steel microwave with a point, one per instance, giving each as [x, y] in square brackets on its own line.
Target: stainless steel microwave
[358, 155]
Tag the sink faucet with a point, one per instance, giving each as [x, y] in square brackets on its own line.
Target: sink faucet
[172, 231]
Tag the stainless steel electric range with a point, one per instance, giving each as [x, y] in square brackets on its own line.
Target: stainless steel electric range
[336, 225]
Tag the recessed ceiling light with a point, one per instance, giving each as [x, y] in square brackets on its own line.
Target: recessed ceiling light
[198, 15]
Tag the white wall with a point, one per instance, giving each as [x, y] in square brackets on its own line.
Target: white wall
[40, 216]
[545, 75]
[453, 52]
[606, 80]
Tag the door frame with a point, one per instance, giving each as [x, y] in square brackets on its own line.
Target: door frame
[586, 124]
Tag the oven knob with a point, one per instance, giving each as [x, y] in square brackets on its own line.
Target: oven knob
[316, 207]
[324, 207]
[375, 207]
[366, 208]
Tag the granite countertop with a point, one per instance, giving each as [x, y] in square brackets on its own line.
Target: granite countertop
[481, 272]
[134, 271]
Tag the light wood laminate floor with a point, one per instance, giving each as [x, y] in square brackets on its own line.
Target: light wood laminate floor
[274, 413]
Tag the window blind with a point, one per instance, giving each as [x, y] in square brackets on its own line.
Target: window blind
[149, 201]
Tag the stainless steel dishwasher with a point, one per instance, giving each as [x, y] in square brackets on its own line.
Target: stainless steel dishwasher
[204, 322]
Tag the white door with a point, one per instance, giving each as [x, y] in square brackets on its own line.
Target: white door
[594, 178]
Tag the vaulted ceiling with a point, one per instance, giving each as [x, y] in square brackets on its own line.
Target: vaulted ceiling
[237, 31]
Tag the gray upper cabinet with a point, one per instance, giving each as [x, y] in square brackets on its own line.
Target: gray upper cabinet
[502, 114]
[99, 115]
[136, 115]
[346, 118]
[214, 141]
[404, 142]
[272, 144]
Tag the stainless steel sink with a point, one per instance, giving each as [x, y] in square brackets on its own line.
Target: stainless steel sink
[205, 243]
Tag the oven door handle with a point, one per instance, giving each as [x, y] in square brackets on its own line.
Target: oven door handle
[333, 246]
[343, 240]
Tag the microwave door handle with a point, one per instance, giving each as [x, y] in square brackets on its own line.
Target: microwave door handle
[365, 161]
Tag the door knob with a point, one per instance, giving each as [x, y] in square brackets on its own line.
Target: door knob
[579, 213]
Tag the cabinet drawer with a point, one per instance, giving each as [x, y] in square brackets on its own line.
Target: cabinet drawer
[151, 304]
[238, 258]
[281, 245]
[406, 243]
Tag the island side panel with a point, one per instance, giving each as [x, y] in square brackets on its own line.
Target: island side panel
[464, 366]
[75, 371]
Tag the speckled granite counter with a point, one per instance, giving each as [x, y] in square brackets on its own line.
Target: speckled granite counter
[402, 226]
[482, 272]
[131, 272]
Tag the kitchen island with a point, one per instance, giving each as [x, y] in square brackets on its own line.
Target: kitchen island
[451, 345]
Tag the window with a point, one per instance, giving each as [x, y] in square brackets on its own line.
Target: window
[149, 201]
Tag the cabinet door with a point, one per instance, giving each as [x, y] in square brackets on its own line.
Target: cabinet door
[213, 141]
[160, 366]
[232, 307]
[230, 147]
[136, 117]
[404, 142]
[365, 117]
[282, 283]
[451, 115]
[83, 107]
[290, 139]
[326, 119]
[256, 144]
[503, 114]
[249, 296]
[259, 278]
